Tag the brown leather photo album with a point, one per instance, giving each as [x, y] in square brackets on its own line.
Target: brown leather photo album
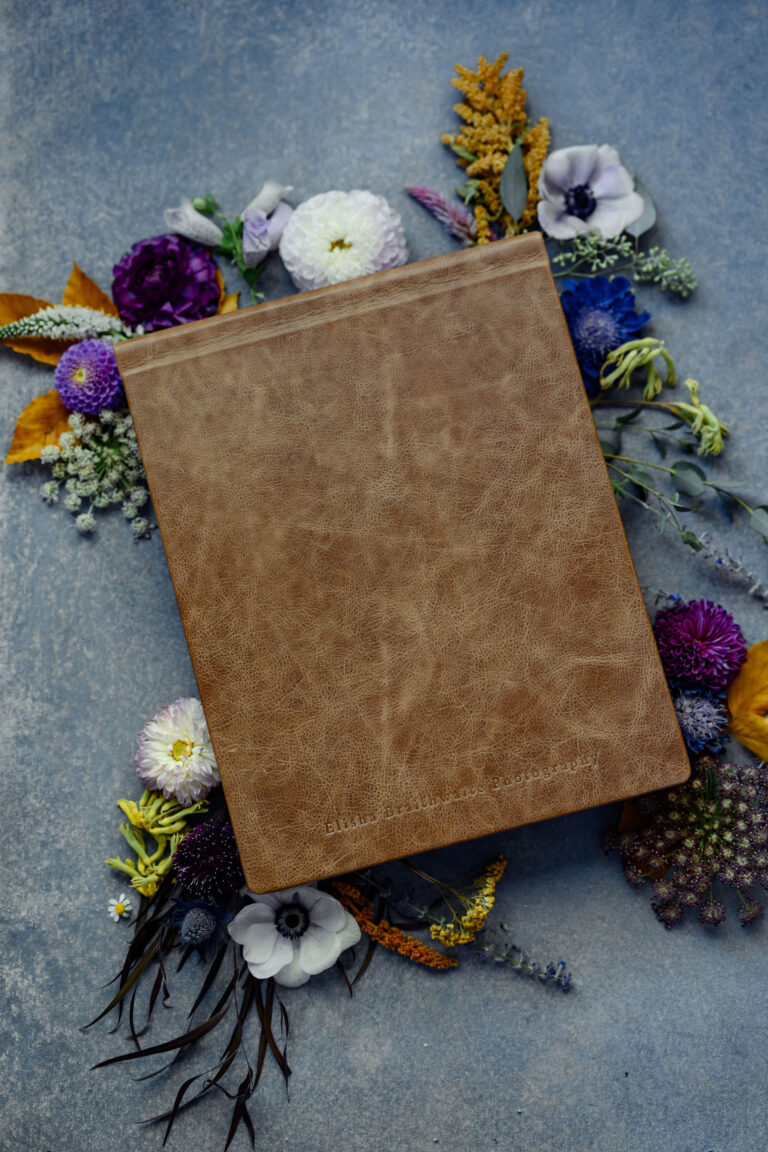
[408, 598]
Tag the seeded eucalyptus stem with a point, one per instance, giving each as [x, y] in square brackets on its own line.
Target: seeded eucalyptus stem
[671, 471]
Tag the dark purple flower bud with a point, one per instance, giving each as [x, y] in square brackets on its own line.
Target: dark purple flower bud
[207, 862]
[750, 912]
[712, 912]
[165, 281]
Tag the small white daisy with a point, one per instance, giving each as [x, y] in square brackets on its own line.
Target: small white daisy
[118, 908]
[175, 755]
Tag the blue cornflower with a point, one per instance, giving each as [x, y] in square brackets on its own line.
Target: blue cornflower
[601, 316]
[702, 718]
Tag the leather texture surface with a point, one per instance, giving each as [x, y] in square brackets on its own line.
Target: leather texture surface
[403, 578]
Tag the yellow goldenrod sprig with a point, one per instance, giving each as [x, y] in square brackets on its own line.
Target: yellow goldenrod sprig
[495, 120]
[463, 928]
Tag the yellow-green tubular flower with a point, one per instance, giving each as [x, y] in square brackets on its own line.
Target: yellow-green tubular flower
[702, 421]
[635, 354]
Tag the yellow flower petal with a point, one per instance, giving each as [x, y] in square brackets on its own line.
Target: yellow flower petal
[226, 303]
[41, 423]
[748, 701]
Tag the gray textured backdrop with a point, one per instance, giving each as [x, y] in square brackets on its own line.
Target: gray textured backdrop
[113, 111]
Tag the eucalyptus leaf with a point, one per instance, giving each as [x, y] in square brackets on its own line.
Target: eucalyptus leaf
[688, 478]
[758, 521]
[630, 417]
[692, 540]
[648, 218]
[728, 502]
[639, 475]
[659, 442]
[727, 485]
[468, 190]
[513, 187]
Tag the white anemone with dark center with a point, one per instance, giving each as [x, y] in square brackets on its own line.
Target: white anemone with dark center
[293, 934]
[586, 189]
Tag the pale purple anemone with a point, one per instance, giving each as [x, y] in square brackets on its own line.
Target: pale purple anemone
[294, 934]
[586, 189]
[261, 233]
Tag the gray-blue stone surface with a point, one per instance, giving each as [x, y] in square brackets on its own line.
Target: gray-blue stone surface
[112, 111]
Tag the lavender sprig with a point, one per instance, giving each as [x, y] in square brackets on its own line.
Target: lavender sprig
[723, 559]
[520, 962]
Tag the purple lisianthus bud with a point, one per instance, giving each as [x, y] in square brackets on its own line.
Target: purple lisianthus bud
[187, 221]
[261, 234]
[268, 197]
[164, 281]
[255, 236]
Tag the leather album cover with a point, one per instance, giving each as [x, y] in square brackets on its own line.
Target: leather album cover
[407, 593]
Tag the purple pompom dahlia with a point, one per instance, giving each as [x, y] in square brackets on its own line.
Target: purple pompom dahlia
[207, 862]
[700, 644]
[165, 281]
[87, 378]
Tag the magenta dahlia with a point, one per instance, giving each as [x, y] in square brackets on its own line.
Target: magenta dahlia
[87, 378]
[164, 281]
[700, 644]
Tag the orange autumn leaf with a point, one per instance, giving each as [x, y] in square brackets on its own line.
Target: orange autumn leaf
[41, 423]
[82, 292]
[14, 306]
[226, 303]
[748, 701]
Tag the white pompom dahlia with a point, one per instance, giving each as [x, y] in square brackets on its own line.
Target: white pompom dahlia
[341, 235]
[175, 755]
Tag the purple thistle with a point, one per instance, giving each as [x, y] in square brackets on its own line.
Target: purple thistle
[700, 644]
[87, 378]
[207, 862]
[457, 220]
[703, 719]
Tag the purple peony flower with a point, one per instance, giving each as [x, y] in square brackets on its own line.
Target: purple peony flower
[700, 644]
[207, 862]
[87, 378]
[165, 281]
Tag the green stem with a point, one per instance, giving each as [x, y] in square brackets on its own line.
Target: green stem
[663, 468]
[588, 275]
[663, 500]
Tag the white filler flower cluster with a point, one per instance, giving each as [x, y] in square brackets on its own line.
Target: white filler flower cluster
[341, 235]
[68, 322]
